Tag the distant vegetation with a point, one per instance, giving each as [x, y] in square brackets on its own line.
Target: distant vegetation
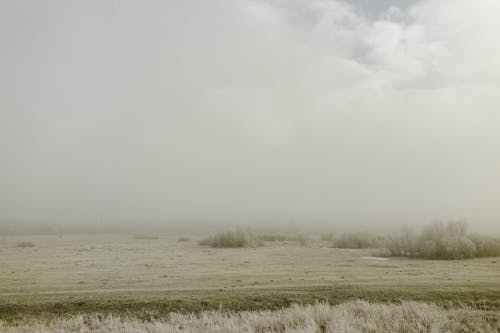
[328, 237]
[249, 238]
[25, 244]
[146, 236]
[358, 240]
[232, 239]
[443, 241]
[273, 237]
[435, 241]
[183, 239]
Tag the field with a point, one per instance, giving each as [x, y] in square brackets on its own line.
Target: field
[147, 277]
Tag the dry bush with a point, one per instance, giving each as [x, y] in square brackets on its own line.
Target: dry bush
[183, 239]
[354, 316]
[443, 241]
[486, 246]
[299, 238]
[272, 237]
[25, 244]
[146, 236]
[232, 239]
[357, 240]
[328, 237]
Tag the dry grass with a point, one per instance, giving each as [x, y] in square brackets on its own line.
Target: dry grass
[352, 317]
[25, 244]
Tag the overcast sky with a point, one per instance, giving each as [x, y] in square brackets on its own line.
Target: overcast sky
[304, 110]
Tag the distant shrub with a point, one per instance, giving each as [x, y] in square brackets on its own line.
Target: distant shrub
[231, 239]
[357, 240]
[275, 237]
[301, 239]
[382, 252]
[328, 237]
[272, 237]
[146, 236]
[25, 244]
[443, 241]
[183, 239]
[486, 246]
[403, 245]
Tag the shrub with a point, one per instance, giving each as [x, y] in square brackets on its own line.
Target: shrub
[25, 244]
[403, 245]
[450, 241]
[486, 246]
[231, 239]
[357, 240]
[273, 237]
[301, 239]
[443, 241]
[146, 236]
[328, 237]
[183, 239]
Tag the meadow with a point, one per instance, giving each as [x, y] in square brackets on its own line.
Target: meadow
[145, 278]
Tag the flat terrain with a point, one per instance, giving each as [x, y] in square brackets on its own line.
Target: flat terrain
[109, 272]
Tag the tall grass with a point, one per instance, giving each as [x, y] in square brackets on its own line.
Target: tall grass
[353, 317]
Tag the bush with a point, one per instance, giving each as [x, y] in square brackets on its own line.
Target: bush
[403, 245]
[357, 240]
[329, 237]
[486, 246]
[146, 236]
[231, 239]
[25, 244]
[183, 239]
[272, 237]
[443, 241]
[300, 239]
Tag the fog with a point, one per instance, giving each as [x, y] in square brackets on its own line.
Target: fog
[252, 112]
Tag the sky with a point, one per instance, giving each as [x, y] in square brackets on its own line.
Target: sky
[253, 111]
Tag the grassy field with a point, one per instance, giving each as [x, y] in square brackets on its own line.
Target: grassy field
[151, 277]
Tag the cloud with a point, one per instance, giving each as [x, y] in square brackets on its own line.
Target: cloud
[250, 110]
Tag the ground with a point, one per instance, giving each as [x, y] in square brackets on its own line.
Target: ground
[110, 272]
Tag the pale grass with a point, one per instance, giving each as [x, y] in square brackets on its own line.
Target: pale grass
[352, 317]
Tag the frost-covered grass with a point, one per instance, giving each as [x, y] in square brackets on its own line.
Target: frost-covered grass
[113, 266]
[352, 317]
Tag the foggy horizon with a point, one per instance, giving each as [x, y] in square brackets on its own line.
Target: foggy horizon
[253, 113]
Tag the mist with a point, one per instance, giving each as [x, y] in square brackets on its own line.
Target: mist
[179, 113]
